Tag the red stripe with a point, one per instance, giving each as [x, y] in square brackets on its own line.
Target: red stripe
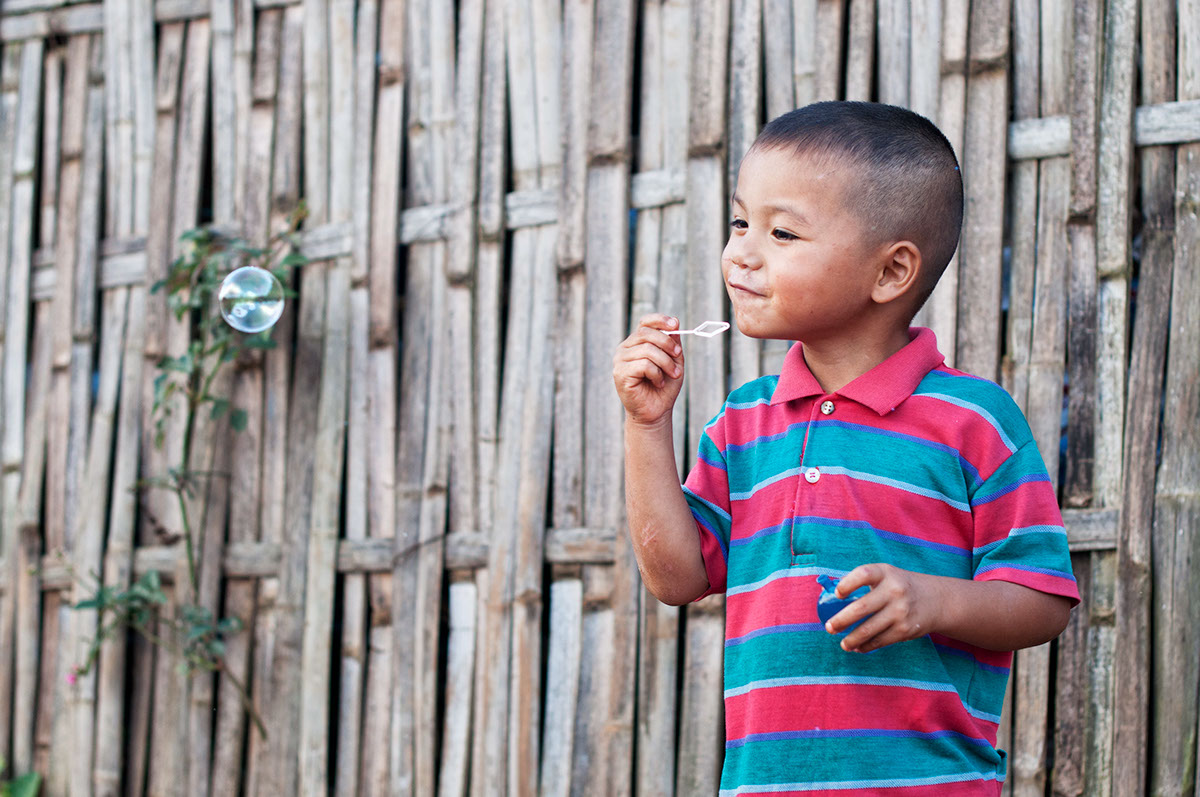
[846, 706]
[1042, 582]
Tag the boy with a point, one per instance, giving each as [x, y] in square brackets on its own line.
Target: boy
[866, 460]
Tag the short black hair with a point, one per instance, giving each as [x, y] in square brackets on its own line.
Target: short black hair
[910, 184]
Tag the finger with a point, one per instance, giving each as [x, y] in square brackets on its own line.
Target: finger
[861, 576]
[672, 366]
[874, 633]
[659, 321]
[644, 369]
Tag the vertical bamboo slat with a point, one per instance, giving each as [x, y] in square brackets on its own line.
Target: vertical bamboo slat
[978, 335]
[744, 105]
[1176, 508]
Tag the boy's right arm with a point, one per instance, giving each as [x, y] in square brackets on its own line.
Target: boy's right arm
[648, 373]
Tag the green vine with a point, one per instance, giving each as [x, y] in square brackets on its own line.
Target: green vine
[185, 385]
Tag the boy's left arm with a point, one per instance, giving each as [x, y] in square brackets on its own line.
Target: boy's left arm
[997, 615]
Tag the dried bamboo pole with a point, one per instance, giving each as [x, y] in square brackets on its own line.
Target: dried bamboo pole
[699, 759]
[659, 287]
[354, 642]
[860, 50]
[894, 45]
[941, 311]
[382, 388]
[745, 81]
[1045, 380]
[1172, 761]
[271, 762]
[830, 24]
[118, 555]
[20, 101]
[329, 437]
[168, 751]
[925, 66]
[984, 159]
[1113, 220]
[789, 52]
[461, 268]
[159, 512]
[1113, 263]
[436, 111]
[245, 478]
[88, 533]
[606, 263]
[490, 687]
[27, 721]
[67, 430]
[130, 129]
[1026, 84]
[566, 591]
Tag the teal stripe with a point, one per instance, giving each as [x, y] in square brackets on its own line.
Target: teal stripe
[836, 470]
[845, 785]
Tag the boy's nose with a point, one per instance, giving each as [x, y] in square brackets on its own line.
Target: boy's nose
[742, 253]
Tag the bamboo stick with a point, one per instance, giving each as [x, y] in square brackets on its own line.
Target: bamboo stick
[89, 533]
[382, 358]
[925, 66]
[789, 53]
[354, 643]
[590, 775]
[493, 176]
[983, 172]
[895, 51]
[562, 683]
[1071, 693]
[745, 80]
[830, 26]
[701, 742]
[460, 666]
[1081, 233]
[275, 640]
[1175, 608]
[17, 150]
[331, 410]
[941, 311]
[860, 50]
[566, 595]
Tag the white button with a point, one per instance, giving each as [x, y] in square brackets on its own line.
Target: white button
[827, 407]
[812, 475]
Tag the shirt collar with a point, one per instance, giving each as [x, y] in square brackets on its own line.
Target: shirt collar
[882, 388]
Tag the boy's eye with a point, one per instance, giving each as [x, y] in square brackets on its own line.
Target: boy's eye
[783, 235]
[738, 224]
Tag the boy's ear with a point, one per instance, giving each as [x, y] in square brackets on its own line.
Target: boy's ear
[899, 272]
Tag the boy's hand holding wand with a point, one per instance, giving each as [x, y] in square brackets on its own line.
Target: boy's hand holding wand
[648, 373]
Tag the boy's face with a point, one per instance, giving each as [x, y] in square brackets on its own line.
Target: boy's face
[798, 264]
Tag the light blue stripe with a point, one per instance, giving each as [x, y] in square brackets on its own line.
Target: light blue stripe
[984, 549]
[778, 477]
[774, 629]
[745, 405]
[839, 680]
[845, 785]
[1044, 571]
[978, 410]
[837, 470]
[788, 572]
[721, 512]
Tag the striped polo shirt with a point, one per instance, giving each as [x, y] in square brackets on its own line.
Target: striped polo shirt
[913, 464]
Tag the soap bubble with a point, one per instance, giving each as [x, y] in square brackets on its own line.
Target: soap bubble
[251, 299]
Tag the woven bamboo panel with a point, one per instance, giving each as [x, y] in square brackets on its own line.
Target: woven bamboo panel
[421, 524]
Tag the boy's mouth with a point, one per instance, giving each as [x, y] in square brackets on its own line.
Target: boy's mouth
[743, 289]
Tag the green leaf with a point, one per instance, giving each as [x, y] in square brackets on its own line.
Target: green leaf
[238, 420]
[26, 786]
[230, 625]
[293, 259]
[90, 603]
[220, 407]
[262, 340]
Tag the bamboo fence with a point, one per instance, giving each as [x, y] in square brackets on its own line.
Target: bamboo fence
[422, 523]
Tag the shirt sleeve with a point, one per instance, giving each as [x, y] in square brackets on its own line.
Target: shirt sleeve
[707, 494]
[1019, 533]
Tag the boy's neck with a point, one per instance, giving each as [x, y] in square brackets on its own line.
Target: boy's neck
[837, 362]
